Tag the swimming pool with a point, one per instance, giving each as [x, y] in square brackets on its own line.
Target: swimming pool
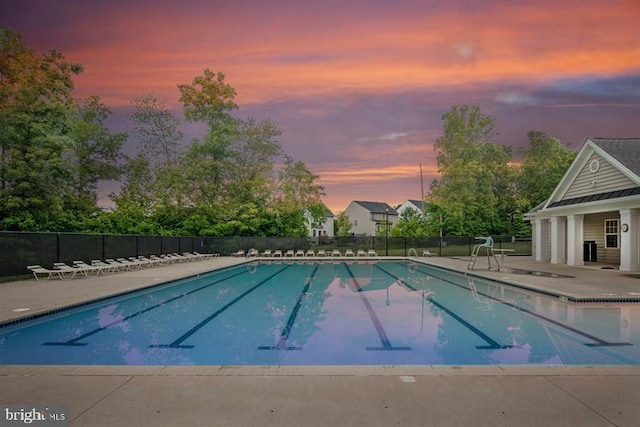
[369, 312]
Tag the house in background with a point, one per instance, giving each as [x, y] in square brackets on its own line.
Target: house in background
[593, 214]
[325, 228]
[367, 218]
[417, 205]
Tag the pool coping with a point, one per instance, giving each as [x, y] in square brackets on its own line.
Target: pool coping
[320, 370]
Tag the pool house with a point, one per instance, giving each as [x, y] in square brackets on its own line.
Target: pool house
[593, 213]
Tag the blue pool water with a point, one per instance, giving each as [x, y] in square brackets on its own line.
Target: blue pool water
[328, 313]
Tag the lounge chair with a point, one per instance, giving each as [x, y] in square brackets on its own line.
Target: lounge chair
[289, 253]
[322, 252]
[371, 252]
[206, 255]
[253, 253]
[68, 270]
[180, 258]
[361, 253]
[131, 263]
[105, 266]
[162, 259]
[277, 253]
[118, 266]
[142, 261]
[336, 252]
[192, 257]
[152, 260]
[267, 253]
[89, 268]
[427, 253]
[310, 252]
[299, 252]
[37, 269]
[239, 253]
[349, 252]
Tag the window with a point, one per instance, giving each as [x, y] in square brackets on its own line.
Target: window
[611, 231]
[355, 222]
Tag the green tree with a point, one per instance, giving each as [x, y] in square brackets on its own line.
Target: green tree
[472, 178]
[159, 138]
[542, 164]
[35, 106]
[93, 155]
[342, 225]
[411, 222]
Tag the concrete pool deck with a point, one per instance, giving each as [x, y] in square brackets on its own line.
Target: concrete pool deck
[324, 395]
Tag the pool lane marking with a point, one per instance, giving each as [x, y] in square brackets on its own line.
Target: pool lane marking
[178, 343]
[598, 341]
[492, 344]
[284, 336]
[74, 341]
[386, 344]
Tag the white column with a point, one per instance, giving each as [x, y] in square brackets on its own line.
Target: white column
[541, 239]
[629, 240]
[575, 236]
[558, 240]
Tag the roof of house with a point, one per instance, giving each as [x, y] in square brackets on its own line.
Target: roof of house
[624, 150]
[377, 207]
[417, 203]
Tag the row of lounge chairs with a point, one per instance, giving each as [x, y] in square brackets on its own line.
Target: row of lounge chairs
[62, 270]
[307, 253]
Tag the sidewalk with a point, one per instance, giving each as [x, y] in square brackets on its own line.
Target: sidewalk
[323, 395]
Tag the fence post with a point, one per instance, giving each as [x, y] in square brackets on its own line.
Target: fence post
[58, 247]
[103, 249]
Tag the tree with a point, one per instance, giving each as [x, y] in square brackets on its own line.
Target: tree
[157, 131]
[542, 164]
[411, 223]
[472, 178]
[35, 106]
[93, 154]
[342, 225]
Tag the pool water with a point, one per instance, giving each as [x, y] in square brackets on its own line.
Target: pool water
[329, 313]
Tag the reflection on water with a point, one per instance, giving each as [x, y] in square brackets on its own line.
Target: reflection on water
[339, 313]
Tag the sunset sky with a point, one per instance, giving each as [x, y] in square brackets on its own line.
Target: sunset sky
[359, 87]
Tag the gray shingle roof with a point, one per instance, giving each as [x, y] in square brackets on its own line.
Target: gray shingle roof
[624, 150]
[377, 207]
[417, 203]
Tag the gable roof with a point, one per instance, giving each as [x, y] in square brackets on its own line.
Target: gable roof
[624, 150]
[377, 207]
[417, 203]
[620, 155]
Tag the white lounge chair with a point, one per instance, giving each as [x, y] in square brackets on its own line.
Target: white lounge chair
[322, 252]
[68, 270]
[118, 266]
[267, 253]
[428, 253]
[310, 252]
[336, 252]
[239, 253]
[371, 252]
[253, 253]
[89, 268]
[299, 252]
[290, 253]
[349, 252]
[105, 266]
[361, 253]
[37, 269]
